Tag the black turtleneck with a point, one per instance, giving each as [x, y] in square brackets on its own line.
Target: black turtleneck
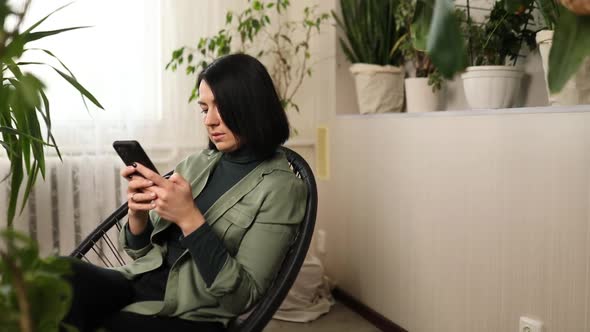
[205, 247]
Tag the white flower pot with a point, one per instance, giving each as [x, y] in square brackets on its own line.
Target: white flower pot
[491, 87]
[379, 89]
[419, 95]
[577, 90]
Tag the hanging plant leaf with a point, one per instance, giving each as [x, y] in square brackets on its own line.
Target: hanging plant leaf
[571, 45]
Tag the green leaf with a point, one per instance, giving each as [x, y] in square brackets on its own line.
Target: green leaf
[445, 43]
[51, 296]
[571, 45]
[36, 24]
[421, 24]
[6, 146]
[4, 129]
[42, 34]
[551, 12]
[13, 49]
[286, 38]
[65, 67]
[79, 87]
[31, 179]
[16, 168]
[48, 125]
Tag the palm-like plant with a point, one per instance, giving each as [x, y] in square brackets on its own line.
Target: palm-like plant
[371, 33]
[24, 106]
[33, 296]
[550, 10]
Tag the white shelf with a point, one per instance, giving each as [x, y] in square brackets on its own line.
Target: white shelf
[456, 113]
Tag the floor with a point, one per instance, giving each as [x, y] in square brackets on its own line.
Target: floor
[339, 319]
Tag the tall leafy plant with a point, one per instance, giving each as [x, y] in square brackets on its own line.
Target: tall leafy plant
[285, 43]
[371, 34]
[550, 9]
[499, 39]
[408, 17]
[24, 106]
[33, 294]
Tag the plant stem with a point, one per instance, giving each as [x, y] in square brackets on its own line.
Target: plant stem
[522, 36]
[469, 33]
[303, 65]
[18, 282]
[495, 28]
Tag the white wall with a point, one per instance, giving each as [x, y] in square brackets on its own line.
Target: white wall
[462, 222]
[459, 221]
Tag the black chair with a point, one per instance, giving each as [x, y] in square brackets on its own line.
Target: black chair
[99, 241]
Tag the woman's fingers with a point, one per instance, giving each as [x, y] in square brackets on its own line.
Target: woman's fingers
[138, 183]
[139, 206]
[127, 171]
[141, 197]
[140, 201]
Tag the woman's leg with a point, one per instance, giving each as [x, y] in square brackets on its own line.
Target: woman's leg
[127, 321]
[97, 293]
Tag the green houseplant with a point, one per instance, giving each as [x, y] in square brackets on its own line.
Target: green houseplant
[493, 80]
[372, 43]
[284, 44]
[422, 87]
[577, 89]
[445, 45]
[33, 295]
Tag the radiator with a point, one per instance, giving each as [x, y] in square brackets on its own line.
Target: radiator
[76, 195]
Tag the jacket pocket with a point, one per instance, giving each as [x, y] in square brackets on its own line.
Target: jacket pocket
[237, 223]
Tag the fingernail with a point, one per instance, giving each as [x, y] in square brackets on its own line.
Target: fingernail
[153, 195]
[134, 164]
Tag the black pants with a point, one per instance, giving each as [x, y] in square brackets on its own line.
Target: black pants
[100, 294]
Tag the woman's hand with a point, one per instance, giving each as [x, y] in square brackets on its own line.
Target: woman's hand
[173, 199]
[139, 200]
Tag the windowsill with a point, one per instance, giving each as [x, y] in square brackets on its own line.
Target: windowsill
[458, 113]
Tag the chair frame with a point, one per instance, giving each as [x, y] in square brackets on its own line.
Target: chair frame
[262, 313]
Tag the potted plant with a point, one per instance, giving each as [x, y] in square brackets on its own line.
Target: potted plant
[371, 42]
[577, 89]
[493, 80]
[570, 47]
[422, 88]
[284, 44]
[33, 296]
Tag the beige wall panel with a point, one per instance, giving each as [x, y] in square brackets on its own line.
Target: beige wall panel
[457, 223]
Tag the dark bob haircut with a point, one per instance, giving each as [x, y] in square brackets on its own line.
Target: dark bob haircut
[247, 102]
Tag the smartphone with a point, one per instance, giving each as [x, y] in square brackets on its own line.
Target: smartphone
[131, 152]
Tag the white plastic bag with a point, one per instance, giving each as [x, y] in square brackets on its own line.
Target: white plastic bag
[310, 297]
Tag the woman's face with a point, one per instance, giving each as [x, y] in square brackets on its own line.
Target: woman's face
[219, 133]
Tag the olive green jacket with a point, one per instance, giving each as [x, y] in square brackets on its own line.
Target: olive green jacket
[256, 220]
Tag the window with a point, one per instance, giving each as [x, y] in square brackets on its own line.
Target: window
[118, 59]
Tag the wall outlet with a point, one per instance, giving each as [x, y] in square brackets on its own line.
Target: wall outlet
[321, 241]
[530, 325]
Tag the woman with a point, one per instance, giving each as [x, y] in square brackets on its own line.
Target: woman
[206, 242]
